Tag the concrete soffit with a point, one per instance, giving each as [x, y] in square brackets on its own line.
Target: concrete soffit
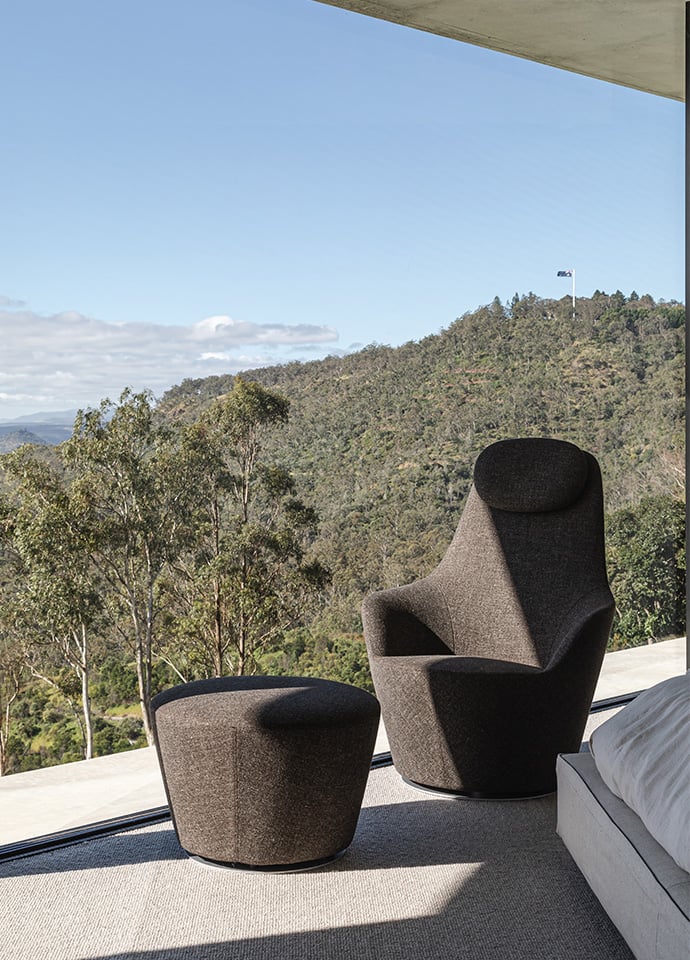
[635, 43]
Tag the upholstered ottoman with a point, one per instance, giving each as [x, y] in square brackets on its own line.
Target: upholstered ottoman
[265, 772]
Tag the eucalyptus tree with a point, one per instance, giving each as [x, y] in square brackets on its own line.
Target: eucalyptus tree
[249, 576]
[13, 679]
[56, 603]
[128, 485]
[13, 665]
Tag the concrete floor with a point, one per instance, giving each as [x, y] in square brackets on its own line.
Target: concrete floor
[74, 794]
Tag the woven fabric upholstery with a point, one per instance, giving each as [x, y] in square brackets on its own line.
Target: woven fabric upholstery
[265, 771]
[486, 668]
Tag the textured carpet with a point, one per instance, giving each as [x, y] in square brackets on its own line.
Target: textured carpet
[424, 878]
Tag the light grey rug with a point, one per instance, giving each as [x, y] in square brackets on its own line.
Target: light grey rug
[424, 878]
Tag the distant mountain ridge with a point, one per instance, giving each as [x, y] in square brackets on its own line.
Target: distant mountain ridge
[59, 417]
[16, 438]
[43, 433]
[50, 427]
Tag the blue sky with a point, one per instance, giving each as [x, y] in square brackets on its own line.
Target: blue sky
[194, 189]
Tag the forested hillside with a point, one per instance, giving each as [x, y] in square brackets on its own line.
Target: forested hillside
[383, 441]
[236, 525]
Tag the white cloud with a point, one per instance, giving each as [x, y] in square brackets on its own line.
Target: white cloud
[66, 360]
[225, 357]
[226, 330]
[211, 326]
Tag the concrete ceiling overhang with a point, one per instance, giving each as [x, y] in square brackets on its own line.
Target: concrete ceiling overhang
[636, 43]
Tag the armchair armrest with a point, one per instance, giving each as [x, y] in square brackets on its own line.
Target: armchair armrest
[584, 631]
[406, 621]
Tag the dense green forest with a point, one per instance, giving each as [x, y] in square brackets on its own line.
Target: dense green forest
[383, 441]
[237, 523]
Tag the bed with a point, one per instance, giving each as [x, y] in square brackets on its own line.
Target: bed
[624, 815]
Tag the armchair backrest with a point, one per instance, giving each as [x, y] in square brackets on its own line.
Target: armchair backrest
[528, 549]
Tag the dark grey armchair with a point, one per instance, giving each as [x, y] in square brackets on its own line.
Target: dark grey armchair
[486, 668]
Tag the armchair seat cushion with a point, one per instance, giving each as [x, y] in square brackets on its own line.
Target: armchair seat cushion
[474, 725]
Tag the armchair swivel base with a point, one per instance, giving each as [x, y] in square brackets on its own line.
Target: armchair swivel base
[474, 794]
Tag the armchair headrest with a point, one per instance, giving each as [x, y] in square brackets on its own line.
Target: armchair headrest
[531, 475]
